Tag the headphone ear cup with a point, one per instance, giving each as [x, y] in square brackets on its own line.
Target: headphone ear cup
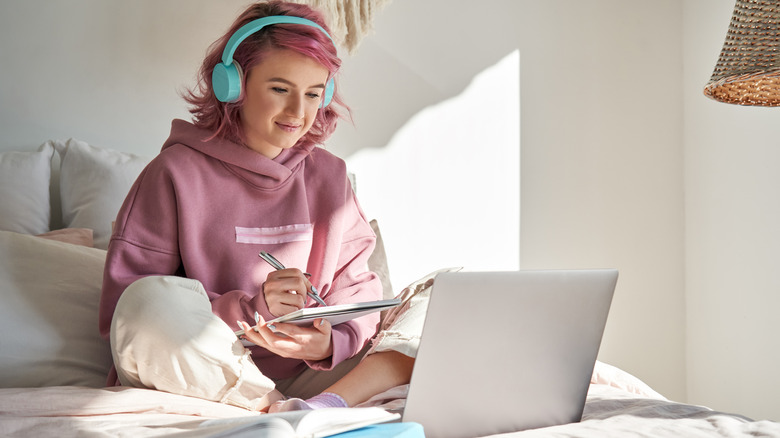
[330, 89]
[226, 81]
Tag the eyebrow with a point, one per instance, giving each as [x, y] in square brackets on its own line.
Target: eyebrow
[285, 81]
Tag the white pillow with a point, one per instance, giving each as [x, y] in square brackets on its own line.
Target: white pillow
[50, 293]
[94, 182]
[24, 190]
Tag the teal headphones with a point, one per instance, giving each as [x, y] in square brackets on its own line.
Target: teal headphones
[227, 75]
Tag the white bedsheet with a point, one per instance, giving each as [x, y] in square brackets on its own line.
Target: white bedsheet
[618, 405]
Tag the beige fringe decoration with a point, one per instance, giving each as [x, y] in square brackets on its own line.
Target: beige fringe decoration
[748, 70]
[349, 20]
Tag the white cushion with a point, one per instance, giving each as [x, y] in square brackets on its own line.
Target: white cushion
[50, 292]
[377, 263]
[24, 190]
[94, 182]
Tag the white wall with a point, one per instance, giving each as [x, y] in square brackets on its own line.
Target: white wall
[732, 199]
[624, 164]
[601, 141]
[107, 72]
[602, 171]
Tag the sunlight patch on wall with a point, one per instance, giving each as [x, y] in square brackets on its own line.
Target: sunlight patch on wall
[446, 189]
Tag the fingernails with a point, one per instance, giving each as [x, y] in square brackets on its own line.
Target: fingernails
[322, 321]
[313, 289]
[257, 317]
[307, 275]
[240, 326]
[271, 327]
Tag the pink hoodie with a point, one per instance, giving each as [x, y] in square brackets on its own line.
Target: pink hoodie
[205, 209]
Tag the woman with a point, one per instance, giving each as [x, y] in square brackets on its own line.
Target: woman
[246, 176]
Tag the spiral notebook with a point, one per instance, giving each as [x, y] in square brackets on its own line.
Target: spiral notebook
[335, 314]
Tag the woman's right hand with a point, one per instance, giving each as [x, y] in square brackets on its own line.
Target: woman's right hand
[285, 291]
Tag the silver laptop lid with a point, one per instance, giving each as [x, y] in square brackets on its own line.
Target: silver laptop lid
[508, 351]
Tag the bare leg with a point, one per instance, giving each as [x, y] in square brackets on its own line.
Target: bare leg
[373, 375]
[376, 373]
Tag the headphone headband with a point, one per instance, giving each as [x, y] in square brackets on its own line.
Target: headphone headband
[227, 76]
[254, 26]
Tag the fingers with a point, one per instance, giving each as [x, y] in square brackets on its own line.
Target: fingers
[323, 325]
[264, 334]
[291, 331]
[290, 340]
[297, 332]
[251, 334]
[290, 301]
[285, 291]
[307, 281]
[310, 343]
[290, 279]
[260, 334]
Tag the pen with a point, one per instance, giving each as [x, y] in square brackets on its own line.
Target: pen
[278, 266]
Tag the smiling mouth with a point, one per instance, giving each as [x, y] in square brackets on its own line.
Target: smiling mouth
[287, 127]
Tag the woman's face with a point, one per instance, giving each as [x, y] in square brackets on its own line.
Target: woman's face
[283, 94]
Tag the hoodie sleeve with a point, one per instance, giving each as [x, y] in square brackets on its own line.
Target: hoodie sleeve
[143, 242]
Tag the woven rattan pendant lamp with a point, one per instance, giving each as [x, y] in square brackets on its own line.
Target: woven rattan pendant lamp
[748, 70]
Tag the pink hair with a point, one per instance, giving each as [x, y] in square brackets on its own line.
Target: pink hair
[224, 119]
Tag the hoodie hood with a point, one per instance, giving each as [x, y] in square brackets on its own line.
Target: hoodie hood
[252, 166]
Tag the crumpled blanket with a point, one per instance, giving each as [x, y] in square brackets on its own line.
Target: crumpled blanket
[613, 412]
[72, 411]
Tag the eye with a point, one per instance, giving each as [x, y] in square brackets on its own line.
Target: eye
[280, 90]
[313, 95]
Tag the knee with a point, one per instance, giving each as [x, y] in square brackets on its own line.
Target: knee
[140, 293]
[157, 307]
[153, 293]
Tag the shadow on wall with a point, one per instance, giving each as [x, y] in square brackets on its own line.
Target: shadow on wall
[446, 188]
[419, 54]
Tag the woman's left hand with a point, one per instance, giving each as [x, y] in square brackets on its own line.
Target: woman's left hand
[292, 341]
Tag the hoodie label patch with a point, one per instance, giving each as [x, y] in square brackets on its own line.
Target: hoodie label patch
[271, 235]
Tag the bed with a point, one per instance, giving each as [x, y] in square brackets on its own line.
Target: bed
[57, 204]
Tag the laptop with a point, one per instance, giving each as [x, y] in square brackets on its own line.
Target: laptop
[507, 351]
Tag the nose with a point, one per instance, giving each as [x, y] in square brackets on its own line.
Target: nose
[295, 106]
